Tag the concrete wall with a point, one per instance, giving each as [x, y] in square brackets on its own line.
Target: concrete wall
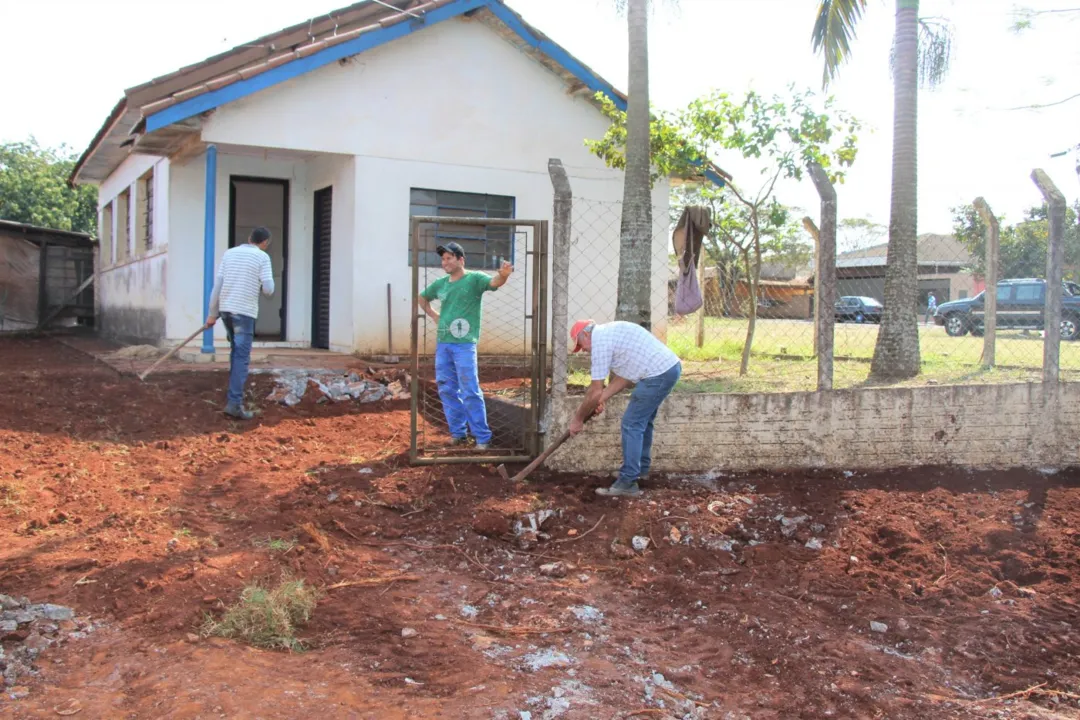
[970, 425]
[131, 283]
[453, 107]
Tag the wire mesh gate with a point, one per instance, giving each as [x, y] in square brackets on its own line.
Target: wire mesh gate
[512, 350]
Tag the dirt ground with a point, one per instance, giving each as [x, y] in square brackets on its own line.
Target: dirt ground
[144, 508]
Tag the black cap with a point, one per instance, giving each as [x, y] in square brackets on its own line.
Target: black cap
[451, 247]
[259, 235]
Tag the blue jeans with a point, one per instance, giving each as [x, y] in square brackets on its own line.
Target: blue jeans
[240, 329]
[459, 390]
[637, 424]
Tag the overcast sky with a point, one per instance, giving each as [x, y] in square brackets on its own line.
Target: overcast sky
[66, 63]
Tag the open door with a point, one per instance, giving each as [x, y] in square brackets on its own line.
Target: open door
[255, 202]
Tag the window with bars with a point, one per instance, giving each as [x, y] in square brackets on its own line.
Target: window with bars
[486, 247]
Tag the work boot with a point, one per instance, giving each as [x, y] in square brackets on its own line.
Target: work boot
[238, 412]
[459, 441]
[617, 490]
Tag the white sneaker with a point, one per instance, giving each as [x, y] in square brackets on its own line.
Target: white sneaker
[483, 446]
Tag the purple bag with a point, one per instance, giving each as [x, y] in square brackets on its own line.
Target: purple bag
[687, 292]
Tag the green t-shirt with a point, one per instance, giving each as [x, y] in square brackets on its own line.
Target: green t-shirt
[459, 305]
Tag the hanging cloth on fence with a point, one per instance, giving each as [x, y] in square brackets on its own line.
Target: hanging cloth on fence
[693, 226]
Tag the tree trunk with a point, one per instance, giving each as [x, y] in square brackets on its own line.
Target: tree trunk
[896, 355]
[753, 275]
[634, 299]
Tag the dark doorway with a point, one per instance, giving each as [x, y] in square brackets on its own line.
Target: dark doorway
[320, 281]
[255, 202]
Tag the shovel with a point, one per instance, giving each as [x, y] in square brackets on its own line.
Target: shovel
[539, 460]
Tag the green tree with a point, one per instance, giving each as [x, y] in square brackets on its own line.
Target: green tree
[783, 134]
[729, 246]
[1021, 247]
[920, 55]
[34, 188]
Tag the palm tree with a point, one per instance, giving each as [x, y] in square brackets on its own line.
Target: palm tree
[920, 54]
[634, 299]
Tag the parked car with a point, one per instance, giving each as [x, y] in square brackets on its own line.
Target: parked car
[1020, 304]
[858, 309]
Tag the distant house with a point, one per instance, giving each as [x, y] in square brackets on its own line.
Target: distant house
[40, 271]
[945, 269]
[332, 133]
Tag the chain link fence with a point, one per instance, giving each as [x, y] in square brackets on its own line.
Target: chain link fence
[769, 303]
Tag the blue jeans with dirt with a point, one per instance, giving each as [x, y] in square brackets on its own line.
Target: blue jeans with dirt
[459, 390]
[240, 329]
[637, 424]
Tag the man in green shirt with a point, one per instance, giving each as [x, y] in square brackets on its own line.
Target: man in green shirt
[460, 295]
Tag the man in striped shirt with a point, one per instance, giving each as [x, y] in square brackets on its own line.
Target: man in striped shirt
[632, 356]
[244, 271]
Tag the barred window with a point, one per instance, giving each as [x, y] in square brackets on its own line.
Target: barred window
[486, 247]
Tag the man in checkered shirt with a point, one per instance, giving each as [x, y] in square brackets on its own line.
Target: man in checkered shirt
[633, 356]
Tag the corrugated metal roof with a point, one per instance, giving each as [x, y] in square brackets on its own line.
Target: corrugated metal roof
[36, 233]
[115, 141]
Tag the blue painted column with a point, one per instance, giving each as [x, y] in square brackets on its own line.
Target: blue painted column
[208, 240]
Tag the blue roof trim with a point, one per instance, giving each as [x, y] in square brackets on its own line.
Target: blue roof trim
[288, 71]
[556, 53]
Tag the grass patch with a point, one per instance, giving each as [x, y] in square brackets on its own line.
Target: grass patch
[11, 498]
[267, 618]
[276, 544]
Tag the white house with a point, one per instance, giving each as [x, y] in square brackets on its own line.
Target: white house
[331, 133]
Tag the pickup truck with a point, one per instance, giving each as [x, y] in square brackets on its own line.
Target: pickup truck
[1020, 304]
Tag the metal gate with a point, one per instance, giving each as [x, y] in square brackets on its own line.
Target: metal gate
[512, 350]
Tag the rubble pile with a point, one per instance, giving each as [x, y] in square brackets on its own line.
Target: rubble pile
[291, 385]
[26, 630]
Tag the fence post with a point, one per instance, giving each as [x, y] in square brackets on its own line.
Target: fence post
[560, 283]
[811, 228]
[825, 277]
[993, 233]
[1055, 258]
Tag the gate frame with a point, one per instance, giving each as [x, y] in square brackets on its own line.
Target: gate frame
[536, 315]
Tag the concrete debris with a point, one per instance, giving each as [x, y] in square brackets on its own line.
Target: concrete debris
[293, 384]
[878, 627]
[555, 569]
[27, 630]
[586, 613]
[814, 543]
[540, 659]
[534, 522]
[640, 543]
[407, 633]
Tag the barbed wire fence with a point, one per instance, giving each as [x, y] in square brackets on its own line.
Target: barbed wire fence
[963, 338]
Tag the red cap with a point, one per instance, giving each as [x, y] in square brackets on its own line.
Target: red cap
[576, 331]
